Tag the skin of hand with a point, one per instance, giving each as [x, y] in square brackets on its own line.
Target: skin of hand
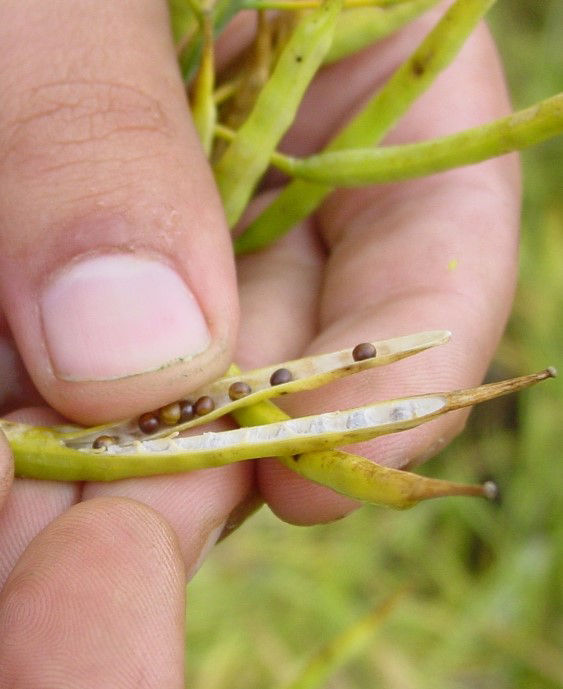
[118, 290]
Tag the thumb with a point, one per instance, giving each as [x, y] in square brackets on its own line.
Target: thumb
[116, 270]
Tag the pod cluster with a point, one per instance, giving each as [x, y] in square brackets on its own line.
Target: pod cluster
[183, 411]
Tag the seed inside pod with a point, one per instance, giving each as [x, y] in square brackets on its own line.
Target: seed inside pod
[204, 405]
[104, 441]
[148, 422]
[239, 390]
[282, 375]
[170, 414]
[364, 350]
[187, 411]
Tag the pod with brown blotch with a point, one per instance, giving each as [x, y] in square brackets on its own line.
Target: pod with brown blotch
[305, 374]
[44, 453]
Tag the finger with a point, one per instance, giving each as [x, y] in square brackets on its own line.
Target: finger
[30, 505]
[434, 253]
[16, 388]
[6, 470]
[197, 504]
[279, 291]
[116, 269]
[97, 600]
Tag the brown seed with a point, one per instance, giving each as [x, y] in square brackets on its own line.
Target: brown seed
[239, 390]
[170, 414]
[148, 422]
[364, 350]
[103, 441]
[187, 411]
[204, 405]
[282, 375]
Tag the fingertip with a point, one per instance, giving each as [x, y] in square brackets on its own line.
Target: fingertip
[297, 500]
[98, 597]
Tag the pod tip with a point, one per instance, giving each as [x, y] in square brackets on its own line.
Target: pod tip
[490, 490]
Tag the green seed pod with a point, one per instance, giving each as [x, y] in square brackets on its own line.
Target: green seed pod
[306, 374]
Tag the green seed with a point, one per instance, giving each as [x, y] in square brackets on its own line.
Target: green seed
[239, 390]
[170, 414]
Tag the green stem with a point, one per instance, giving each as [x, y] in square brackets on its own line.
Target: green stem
[358, 167]
[204, 108]
[297, 5]
[358, 28]
[300, 198]
[248, 156]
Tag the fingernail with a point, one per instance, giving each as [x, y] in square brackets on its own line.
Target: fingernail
[118, 315]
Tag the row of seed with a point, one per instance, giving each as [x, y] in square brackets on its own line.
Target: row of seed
[186, 410]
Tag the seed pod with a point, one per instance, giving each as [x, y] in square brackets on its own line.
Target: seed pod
[280, 376]
[239, 390]
[304, 374]
[149, 423]
[103, 442]
[204, 405]
[364, 350]
[46, 453]
[170, 414]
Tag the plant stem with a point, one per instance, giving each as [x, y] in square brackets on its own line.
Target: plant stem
[204, 108]
[300, 198]
[356, 167]
[358, 28]
[248, 155]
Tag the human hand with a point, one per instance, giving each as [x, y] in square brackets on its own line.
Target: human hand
[102, 566]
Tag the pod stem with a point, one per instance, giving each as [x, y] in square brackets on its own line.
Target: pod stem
[465, 398]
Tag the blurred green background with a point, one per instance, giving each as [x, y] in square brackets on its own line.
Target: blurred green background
[486, 606]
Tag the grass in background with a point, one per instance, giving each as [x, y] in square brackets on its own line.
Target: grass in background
[485, 607]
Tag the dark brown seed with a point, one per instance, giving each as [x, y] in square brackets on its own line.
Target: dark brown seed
[282, 375]
[204, 405]
[239, 390]
[364, 350]
[170, 414]
[103, 441]
[187, 411]
[148, 422]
